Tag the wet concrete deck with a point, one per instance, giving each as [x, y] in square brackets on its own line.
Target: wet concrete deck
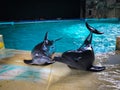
[16, 75]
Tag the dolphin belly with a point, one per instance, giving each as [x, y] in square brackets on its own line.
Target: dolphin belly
[77, 59]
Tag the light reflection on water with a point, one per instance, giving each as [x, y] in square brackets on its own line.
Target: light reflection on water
[110, 78]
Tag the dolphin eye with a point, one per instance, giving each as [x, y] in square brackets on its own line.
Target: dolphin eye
[52, 47]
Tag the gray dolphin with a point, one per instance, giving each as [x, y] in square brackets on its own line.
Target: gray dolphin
[42, 52]
[83, 57]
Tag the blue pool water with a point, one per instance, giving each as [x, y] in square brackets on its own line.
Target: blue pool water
[25, 35]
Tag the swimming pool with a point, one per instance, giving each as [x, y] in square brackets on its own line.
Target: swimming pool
[25, 35]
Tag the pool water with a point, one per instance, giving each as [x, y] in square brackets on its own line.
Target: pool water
[25, 35]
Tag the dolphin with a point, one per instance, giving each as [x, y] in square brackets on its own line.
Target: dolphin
[42, 52]
[83, 57]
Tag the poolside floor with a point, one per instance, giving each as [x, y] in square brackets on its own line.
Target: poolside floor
[16, 75]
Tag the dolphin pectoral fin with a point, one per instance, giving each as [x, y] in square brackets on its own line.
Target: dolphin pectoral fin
[28, 61]
[96, 68]
[48, 63]
[32, 63]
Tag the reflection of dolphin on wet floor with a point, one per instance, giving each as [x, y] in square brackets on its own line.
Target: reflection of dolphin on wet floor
[83, 57]
[42, 52]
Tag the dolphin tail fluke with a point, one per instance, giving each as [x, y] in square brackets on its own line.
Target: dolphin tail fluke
[91, 29]
[88, 40]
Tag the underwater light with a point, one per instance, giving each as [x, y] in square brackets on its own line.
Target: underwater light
[1, 42]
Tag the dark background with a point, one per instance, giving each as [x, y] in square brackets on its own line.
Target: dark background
[15, 10]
